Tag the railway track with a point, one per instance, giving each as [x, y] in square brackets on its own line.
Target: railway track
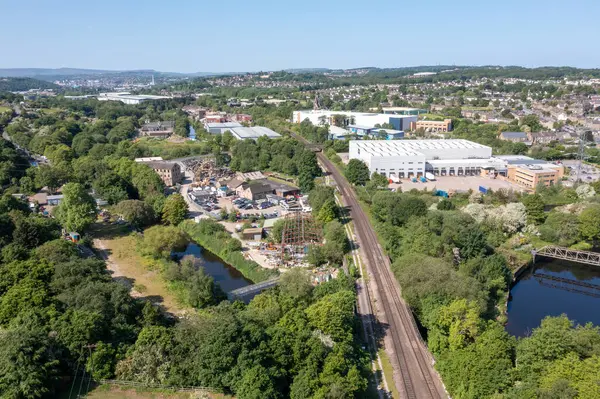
[414, 373]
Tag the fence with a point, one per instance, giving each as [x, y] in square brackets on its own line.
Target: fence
[135, 384]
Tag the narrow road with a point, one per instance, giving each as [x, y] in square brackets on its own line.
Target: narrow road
[414, 375]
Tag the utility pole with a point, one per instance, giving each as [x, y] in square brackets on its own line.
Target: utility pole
[580, 152]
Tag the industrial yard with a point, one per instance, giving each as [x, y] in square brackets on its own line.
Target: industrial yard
[457, 184]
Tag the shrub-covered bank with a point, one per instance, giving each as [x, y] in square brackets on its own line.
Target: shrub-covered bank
[213, 237]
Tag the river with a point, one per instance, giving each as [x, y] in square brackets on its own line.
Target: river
[534, 298]
[226, 276]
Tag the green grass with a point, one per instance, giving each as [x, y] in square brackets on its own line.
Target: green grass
[4, 109]
[143, 272]
[388, 373]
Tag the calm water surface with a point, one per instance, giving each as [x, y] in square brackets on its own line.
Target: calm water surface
[535, 297]
[226, 276]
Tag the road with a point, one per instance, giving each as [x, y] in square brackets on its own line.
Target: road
[414, 375]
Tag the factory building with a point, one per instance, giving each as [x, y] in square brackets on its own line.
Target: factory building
[529, 172]
[128, 98]
[414, 158]
[444, 126]
[362, 119]
[253, 133]
[220, 127]
[403, 110]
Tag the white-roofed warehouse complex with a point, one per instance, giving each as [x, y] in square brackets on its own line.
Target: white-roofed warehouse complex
[243, 133]
[414, 158]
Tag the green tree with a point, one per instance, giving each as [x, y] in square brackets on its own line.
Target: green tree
[357, 172]
[160, 241]
[318, 196]
[77, 209]
[589, 223]
[136, 212]
[257, 383]
[560, 228]
[296, 283]
[535, 208]
[445, 205]
[328, 211]
[333, 314]
[175, 210]
[28, 360]
[148, 361]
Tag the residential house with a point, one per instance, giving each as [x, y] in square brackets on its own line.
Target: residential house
[515, 137]
[40, 199]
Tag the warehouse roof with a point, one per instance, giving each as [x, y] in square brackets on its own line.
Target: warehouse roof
[411, 147]
[222, 125]
[255, 132]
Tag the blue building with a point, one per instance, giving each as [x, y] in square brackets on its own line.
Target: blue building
[392, 134]
[360, 130]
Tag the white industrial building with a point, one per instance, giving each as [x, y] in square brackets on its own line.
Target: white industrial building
[221, 127]
[128, 98]
[368, 119]
[243, 133]
[414, 158]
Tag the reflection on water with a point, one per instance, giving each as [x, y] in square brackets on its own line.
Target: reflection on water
[534, 298]
[226, 276]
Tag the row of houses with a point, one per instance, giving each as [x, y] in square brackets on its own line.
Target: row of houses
[538, 137]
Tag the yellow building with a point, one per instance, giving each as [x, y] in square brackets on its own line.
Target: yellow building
[531, 176]
[433, 126]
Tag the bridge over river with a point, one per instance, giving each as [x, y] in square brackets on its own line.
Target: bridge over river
[252, 289]
[573, 255]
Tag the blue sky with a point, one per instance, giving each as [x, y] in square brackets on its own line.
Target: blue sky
[253, 35]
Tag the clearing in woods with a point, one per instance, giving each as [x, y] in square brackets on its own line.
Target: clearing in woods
[116, 245]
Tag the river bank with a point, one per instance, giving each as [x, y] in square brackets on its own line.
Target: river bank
[213, 237]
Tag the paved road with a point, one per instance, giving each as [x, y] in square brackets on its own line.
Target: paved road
[414, 375]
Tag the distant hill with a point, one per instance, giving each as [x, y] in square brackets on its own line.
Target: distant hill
[22, 84]
[32, 72]
[58, 73]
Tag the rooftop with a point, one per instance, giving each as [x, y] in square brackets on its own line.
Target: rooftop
[254, 132]
[514, 135]
[223, 125]
[161, 165]
[411, 147]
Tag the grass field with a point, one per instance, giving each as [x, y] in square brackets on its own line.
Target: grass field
[4, 109]
[119, 247]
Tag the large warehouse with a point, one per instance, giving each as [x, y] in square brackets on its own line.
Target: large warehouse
[243, 133]
[414, 158]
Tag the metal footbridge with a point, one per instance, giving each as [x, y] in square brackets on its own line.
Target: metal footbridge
[573, 255]
[252, 289]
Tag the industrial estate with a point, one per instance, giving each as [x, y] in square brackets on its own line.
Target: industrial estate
[427, 232]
